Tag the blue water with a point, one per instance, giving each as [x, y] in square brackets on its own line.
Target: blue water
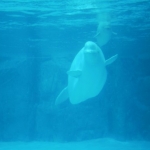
[38, 41]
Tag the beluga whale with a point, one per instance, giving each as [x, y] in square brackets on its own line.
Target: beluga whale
[104, 30]
[87, 74]
[104, 33]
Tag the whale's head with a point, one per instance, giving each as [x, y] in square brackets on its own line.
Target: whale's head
[91, 52]
[104, 33]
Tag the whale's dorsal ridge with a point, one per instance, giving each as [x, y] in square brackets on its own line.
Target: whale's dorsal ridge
[111, 60]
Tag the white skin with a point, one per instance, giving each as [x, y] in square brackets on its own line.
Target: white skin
[91, 62]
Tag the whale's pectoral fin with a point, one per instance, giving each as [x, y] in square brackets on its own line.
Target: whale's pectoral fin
[111, 60]
[76, 73]
[63, 96]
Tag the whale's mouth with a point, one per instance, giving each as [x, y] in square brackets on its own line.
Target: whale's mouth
[91, 51]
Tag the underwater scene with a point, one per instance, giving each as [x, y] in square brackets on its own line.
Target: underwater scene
[74, 75]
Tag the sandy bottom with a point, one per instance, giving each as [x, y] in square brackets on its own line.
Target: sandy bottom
[98, 144]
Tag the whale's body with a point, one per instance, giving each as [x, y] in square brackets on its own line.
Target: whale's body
[87, 74]
[104, 33]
